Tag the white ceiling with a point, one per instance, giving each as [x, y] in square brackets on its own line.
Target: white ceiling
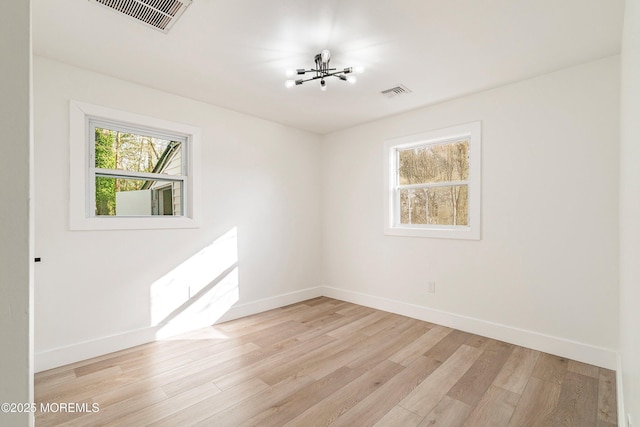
[234, 53]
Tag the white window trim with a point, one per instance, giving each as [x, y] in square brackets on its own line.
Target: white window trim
[80, 217]
[392, 227]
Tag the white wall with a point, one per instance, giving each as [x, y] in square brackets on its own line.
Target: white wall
[93, 288]
[546, 269]
[630, 211]
[16, 217]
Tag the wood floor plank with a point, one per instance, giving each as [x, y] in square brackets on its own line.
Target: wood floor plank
[199, 411]
[356, 351]
[158, 348]
[177, 374]
[185, 377]
[54, 376]
[240, 412]
[269, 362]
[494, 409]
[118, 410]
[537, 404]
[448, 412]
[277, 333]
[267, 320]
[420, 346]
[326, 361]
[398, 416]
[391, 344]
[318, 301]
[429, 392]
[472, 386]
[354, 326]
[316, 363]
[550, 368]
[167, 407]
[351, 309]
[448, 345]
[578, 402]
[259, 321]
[607, 403]
[515, 373]
[385, 323]
[372, 408]
[197, 373]
[583, 369]
[158, 355]
[325, 326]
[329, 409]
[291, 407]
[322, 314]
[314, 313]
[478, 341]
[80, 389]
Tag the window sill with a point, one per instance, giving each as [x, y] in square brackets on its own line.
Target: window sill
[464, 233]
[131, 223]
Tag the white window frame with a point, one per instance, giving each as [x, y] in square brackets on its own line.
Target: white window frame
[82, 169]
[392, 226]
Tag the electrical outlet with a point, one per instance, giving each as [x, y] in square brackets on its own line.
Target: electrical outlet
[431, 287]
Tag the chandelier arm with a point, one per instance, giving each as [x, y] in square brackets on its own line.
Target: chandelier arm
[313, 70]
[312, 78]
[322, 76]
[335, 74]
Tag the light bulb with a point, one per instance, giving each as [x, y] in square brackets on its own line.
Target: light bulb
[323, 85]
[290, 83]
[290, 72]
[358, 69]
[325, 55]
[352, 79]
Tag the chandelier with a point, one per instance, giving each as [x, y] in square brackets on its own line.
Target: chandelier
[322, 71]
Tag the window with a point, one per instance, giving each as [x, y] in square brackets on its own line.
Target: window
[137, 172]
[130, 171]
[433, 183]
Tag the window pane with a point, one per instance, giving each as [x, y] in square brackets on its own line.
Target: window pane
[131, 152]
[136, 197]
[434, 163]
[413, 206]
[447, 205]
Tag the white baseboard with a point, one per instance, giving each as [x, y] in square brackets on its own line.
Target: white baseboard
[253, 307]
[622, 415]
[61, 356]
[603, 357]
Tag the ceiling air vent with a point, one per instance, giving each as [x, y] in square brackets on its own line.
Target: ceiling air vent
[158, 14]
[395, 91]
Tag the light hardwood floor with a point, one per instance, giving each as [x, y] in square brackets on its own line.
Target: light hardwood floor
[327, 362]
